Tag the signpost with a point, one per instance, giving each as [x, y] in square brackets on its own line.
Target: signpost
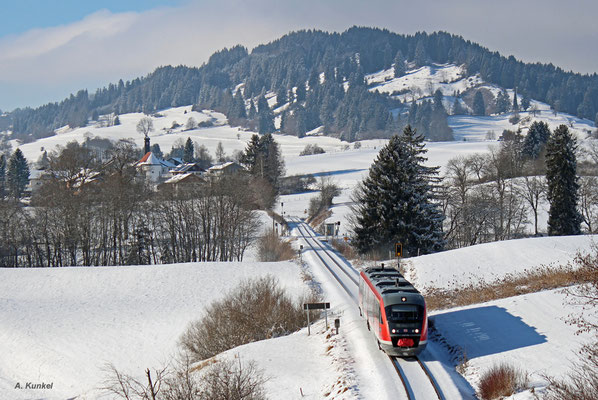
[316, 306]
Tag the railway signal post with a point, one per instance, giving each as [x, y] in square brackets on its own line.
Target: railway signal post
[399, 254]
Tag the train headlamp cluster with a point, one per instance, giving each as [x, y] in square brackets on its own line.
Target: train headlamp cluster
[404, 330]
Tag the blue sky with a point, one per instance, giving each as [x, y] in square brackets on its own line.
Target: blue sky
[19, 16]
[52, 48]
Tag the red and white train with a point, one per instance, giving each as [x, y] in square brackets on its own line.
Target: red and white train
[394, 310]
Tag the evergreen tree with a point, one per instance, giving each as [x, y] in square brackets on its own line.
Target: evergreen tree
[399, 65]
[536, 139]
[237, 108]
[421, 56]
[479, 107]
[116, 120]
[515, 105]
[252, 111]
[300, 93]
[561, 178]
[458, 109]
[281, 96]
[189, 150]
[395, 201]
[251, 153]
[438, 96]
[17, 175]
[2, 176]
[263, 159]
[525, 102]
[265, 117]
[502, 102]
[157, 150]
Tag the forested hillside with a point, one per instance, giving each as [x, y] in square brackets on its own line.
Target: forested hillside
[318, 80]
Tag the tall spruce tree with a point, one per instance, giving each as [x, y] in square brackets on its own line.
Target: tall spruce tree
[189, 150]
[399, 65]
[536, 139]
[479, 106]
[561, 178]
[17, 175]
[263, 159]
[265, 116]
[2, 176]
[395, 201]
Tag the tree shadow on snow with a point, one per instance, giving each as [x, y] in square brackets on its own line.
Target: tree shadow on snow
[486, 330]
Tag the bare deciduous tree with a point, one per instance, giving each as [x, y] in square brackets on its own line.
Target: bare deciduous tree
[145, 126]
[532, 189]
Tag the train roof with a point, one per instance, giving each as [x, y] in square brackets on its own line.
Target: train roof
[392, 286]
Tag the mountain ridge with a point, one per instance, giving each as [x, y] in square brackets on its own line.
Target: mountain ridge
[288, 65]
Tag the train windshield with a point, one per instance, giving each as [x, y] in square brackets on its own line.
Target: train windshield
[403, 313]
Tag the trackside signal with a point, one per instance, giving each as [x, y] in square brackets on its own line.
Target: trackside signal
[398, 249]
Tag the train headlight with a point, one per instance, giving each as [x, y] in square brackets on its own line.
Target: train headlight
[417, 331]
[394, 331]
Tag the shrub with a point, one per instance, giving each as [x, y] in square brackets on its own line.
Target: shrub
[582, 383]
[272, 248]
[328, 191]
[205, 124]
[344, 248]
[501, 380]
[228, 379]
[296, 183]
[312, 149]
[514, 119]
[232, 380]
[256, 310]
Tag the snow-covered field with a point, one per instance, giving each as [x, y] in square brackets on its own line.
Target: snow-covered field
[63, 326]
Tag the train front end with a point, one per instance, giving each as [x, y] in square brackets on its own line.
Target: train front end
[406, 324]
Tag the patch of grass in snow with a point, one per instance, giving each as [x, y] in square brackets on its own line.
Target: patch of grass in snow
[529, 281]
[344, 248]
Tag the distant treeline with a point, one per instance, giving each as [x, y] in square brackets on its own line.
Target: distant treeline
[311, 70]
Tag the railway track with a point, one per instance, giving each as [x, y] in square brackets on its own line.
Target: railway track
[416, 387]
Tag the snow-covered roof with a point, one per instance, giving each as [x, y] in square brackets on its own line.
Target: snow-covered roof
[180, 177]
[223, 166]
[186, 167]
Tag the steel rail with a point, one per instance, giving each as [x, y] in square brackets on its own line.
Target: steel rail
[342, 268]
[399, 370]
[334, 274]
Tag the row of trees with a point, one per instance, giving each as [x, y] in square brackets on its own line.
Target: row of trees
[483, 197]
[102, 213]
[488, 197]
